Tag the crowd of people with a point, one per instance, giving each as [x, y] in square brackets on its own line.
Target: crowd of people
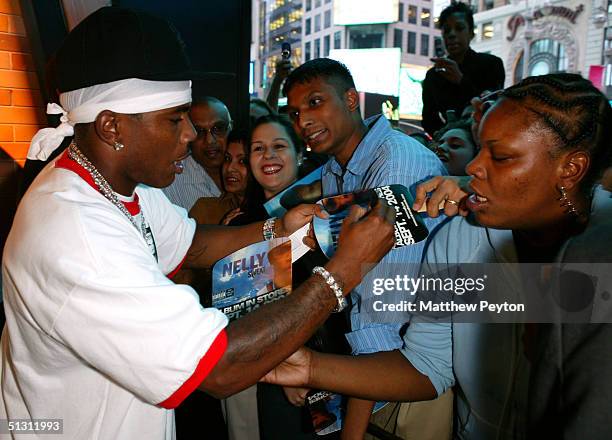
[107, 269]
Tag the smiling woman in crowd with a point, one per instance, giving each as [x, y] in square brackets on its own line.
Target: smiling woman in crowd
[275, 159]
[274, 154]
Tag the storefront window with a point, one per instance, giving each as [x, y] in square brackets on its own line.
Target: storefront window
[425, 45]
[412, 14]
[539, 68]
[547, 56]
[488, 30]
[337, 37]
[425, 17]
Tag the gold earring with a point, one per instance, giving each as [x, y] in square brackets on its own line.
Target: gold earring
[566, 203]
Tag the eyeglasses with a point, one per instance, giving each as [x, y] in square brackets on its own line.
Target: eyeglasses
[217, 130]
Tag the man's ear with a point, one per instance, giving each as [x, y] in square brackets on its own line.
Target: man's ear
[352, 99]
[573, 168]
[107, 127]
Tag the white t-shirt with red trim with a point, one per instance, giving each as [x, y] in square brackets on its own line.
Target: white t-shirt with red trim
[97, 335]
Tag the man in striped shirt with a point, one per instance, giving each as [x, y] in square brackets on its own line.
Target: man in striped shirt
[323, 105]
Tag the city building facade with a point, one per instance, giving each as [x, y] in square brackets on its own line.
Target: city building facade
[413, 31]
[277, 22]
[312, 30]
[537, 37]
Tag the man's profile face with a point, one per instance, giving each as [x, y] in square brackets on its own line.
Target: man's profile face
[212, 123]
[155, 144]
[321, 115]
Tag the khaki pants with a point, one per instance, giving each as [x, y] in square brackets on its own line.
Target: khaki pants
[240, 412]
[429, 420]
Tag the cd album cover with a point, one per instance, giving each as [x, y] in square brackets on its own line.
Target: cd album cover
[252, 276]
[409, 227]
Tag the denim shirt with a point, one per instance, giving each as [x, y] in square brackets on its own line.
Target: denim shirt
[384, 157]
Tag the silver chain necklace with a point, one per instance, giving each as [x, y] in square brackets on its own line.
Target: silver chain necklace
[107, 191]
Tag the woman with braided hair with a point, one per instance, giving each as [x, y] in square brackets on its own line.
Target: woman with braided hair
[544, 145]
[533, 199]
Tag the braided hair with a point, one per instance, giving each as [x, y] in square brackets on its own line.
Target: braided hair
[575, 112]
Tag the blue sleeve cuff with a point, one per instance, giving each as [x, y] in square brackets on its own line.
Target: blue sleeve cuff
[429, 349]
[374, 338]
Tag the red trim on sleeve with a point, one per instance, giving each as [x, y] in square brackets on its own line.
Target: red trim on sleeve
[205, 366]
[177, 268]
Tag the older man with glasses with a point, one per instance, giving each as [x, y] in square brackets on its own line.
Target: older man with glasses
[201, 176]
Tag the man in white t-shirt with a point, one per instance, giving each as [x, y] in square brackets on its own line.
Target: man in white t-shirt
[99, 343]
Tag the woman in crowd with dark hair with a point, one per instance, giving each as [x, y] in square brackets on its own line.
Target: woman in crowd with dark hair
[235, 176]
[275, 155]
[455, 146]
[543, 146]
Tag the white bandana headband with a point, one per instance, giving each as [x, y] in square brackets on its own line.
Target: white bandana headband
[129, 96]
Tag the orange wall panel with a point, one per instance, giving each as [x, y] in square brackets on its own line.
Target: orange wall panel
[17, 150]
[24, 133]
[6, 133]
[10, 7]
[27, 98]
[21, 104]
[22, 115]
[5, 96]
[22, 61]
[18, 79]
[4, 23]
[14, 43]
[21, 107]
[5, 60]
[15, 25]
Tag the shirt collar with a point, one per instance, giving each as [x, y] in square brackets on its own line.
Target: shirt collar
[360, 161]
[66, 162]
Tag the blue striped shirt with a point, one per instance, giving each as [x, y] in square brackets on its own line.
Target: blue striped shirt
[384, 157]
[193, 183]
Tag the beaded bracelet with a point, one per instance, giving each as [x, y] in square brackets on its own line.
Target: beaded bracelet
[268, 229]
[333, 285]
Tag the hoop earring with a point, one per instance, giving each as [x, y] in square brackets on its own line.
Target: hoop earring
[118, 146]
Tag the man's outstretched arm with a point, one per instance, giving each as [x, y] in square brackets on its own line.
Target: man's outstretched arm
[262, 339]
[386, 375]
[211, 243]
